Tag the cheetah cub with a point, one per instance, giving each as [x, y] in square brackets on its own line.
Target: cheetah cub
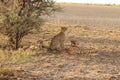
[74, 47]
[57, 42]
[37, 45]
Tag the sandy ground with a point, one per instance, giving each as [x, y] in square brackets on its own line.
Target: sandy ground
[89, 15]
[98, 58]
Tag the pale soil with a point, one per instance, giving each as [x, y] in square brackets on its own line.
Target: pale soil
[89, 15]
[98, 59]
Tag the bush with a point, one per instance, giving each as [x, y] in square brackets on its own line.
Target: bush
[19, 17]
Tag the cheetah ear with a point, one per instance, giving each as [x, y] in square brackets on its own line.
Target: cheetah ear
[64, 27]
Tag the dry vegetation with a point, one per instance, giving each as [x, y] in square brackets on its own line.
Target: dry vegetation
[98, 58]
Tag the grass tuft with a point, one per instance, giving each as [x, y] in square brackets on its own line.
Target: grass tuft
[15, 56]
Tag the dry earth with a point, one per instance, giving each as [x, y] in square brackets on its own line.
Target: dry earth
[104, 16]
[99, 55]
[98, 59]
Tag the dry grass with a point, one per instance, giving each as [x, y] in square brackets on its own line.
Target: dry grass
[98, 57]
[12, 57]
[97, 31]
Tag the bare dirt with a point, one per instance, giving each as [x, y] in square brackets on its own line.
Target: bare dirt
[106, 16]
[98, 58]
